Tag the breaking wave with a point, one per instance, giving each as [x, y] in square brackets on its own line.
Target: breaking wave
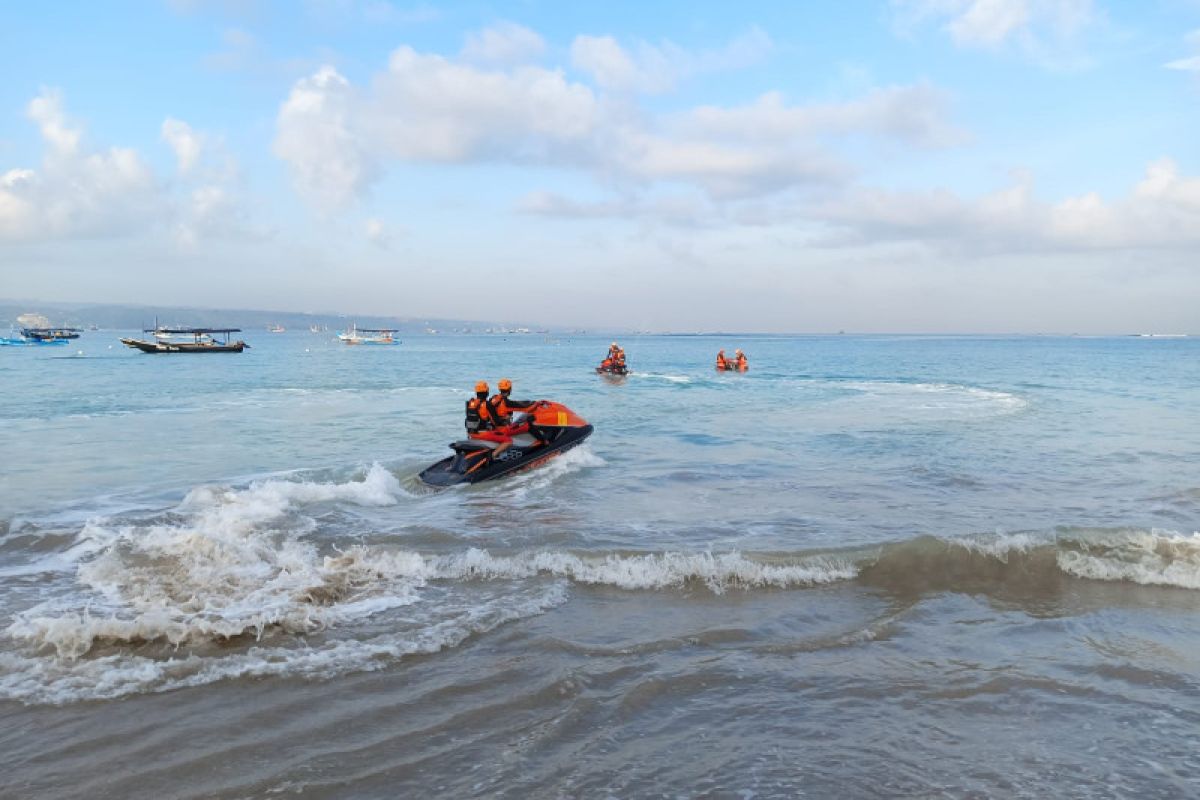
[232, 583]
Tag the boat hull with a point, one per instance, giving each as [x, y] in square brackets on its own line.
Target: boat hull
[17, 342]
[183, 347]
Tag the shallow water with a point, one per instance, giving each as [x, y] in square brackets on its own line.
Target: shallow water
[871, 566]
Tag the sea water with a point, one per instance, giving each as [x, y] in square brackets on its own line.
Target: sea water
[870, 566]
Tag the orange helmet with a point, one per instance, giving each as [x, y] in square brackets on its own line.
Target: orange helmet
[481, 386]
[505, 385]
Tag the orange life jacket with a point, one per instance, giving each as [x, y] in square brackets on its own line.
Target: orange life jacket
[479, 415]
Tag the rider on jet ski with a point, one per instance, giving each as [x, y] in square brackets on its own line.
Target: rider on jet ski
[506, 405]
[491, 418]
[482, 414]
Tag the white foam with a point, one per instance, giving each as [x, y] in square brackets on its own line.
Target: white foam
[1154, 557]
[568, 463]
[229, 568]
[34, 679]
[1002, 545]
[662, 377]
[718, 572]
[943, 396]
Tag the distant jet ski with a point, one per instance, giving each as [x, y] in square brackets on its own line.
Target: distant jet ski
[612, 369]
[553, 429]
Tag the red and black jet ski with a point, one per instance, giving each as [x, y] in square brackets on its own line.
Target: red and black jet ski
[612, 369]
[553, 429]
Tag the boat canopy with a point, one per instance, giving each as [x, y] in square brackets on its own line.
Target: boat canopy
[194, 331]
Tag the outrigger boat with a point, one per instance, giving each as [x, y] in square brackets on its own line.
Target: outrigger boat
[51, 334]
[168, 340]
[33, 336]
[357, 335]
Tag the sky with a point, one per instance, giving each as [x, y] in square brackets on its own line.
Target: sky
[889, 166]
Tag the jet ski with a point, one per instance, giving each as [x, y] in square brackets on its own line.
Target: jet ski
[731, 366]
[553, 429]
[612, 369]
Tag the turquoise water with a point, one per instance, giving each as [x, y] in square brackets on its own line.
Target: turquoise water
[912, 565]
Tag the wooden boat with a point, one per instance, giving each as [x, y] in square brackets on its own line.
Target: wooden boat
[174, 340]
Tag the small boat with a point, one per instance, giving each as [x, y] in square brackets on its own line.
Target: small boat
[175, 340]
[357, 335]
[554, 429]
[276, 328]
[51, 334]
[39, 336]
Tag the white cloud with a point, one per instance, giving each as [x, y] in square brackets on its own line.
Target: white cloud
[988, 22]
[74, 193]
[1192, 63]
[1045, 30]
[426, 107]
[679, 210]
[184, 141]
[46, 110]
[503, 43]
[1162, 211]
[432, 109]
[914, 114]
[77, 192]
[722, 170]
[315, 135]
[653, 69]
[377, 232]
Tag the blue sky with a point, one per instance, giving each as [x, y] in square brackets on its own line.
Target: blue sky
[903, 165]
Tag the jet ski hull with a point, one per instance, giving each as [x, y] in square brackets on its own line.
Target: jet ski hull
[619, 371]
[472, 461]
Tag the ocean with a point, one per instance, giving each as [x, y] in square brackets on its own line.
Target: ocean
[872, 566]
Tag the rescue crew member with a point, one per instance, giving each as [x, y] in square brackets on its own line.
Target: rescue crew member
[504, 406]
[741, 361]
[481, 413]
[722, 364]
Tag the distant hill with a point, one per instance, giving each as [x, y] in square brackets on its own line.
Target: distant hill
[111, 316]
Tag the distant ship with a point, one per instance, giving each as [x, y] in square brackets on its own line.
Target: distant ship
[357, 335]
[276, 328]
